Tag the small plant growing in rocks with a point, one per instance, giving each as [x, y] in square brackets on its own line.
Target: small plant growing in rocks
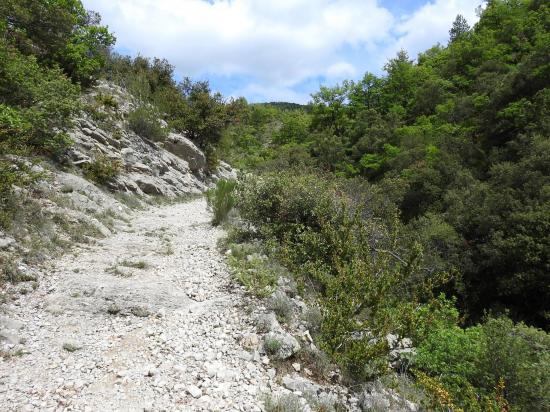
[113, 309]
[145, 122]
[11, 354]
[107, 100]
[140, 264]
[316, 361]
[9, 271]
[71, 346]
[102, 169]
[272, 345]
[140, 312]
[222, 200]
[313, 318]
[282, 403]
[282, 306]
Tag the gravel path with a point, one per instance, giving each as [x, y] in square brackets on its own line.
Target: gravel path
[147, 319]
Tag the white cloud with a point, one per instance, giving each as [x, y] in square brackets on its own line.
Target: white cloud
[279, 44]
[430, 24]
[341, 70]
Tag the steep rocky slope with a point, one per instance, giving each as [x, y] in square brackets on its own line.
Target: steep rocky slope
[66, 206]
[170, 168]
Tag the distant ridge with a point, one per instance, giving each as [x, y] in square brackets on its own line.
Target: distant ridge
[286, 105]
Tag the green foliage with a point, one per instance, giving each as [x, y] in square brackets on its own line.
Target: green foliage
[354, 263]
[221, 199]
[107, 101]
[459, 29]
[521, 356]
[36, 104]
[258, 274]
[58, 32]
[454, 147]
[199, 112]
[13, 173]
[460, 136]
[102, 169]
[471, 362]
[272, 345]
[9, 272]
[454, 354]
[145, 122]
[371, 281]
[255, 275]
[188, 107]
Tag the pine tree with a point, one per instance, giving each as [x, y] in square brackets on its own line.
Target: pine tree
[460, 27]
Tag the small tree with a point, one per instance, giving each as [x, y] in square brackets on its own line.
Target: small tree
[460, 27]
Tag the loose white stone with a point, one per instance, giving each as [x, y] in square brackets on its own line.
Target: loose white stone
[194, 391]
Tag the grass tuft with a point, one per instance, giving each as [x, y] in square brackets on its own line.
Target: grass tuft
[222, 200]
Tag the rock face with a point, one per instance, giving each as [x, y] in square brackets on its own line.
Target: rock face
[224, 172]
[375, 397]
[6, 241]
[173, 168]
[186, 149]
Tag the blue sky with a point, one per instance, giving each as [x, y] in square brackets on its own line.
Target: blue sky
[278, 50]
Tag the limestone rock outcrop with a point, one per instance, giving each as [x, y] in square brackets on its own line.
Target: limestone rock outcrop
[171, 168]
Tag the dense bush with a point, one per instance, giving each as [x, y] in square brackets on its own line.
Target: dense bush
[471, 363]
[145, 122]
[344, 241]
[12, 174]
[459, 140]
[57, 32]
[188, 106]
[43, 46]
[364, 276]
[36, 104]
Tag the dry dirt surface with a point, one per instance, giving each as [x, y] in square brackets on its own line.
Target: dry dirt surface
[147, 319]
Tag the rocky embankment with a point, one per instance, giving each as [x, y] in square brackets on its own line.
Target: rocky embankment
[173, 167]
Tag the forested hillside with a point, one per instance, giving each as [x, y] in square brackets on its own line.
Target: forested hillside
[458, 139]
[400, 197]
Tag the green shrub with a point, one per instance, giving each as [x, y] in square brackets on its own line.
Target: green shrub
[145, 122]
[272, 345]
[212, 158]
[282, 306]
[473, 363]
[330, 240]
[15, 130]
[107, 100]
[13, 173]
[520, 355]
[221, 199]
[454, 354]
[36, 104]
[9, 272]
[102, 169]
[255, 273]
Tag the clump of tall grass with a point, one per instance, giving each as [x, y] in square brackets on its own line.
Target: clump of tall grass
[221, 199]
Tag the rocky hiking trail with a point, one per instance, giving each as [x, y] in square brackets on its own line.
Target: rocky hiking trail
[146, 319]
